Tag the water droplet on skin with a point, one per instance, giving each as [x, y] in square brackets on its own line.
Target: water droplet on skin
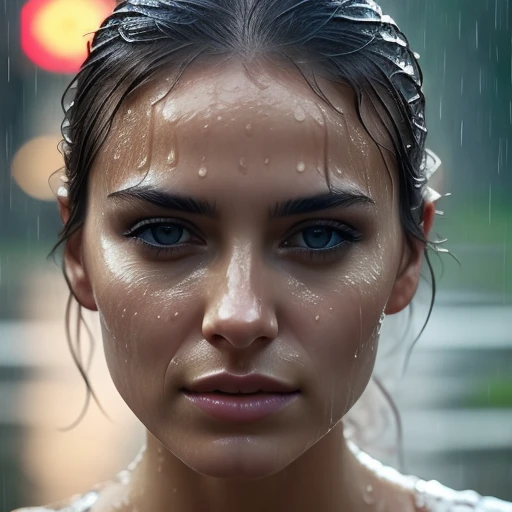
[129, 111]
[267, 161]
[355, 356]
[62, 192]
[117, 155]
[171, 158]
[320, 121]
[317, 318]
[299, 114]
[248, 130]
[243, 164]
[301, 167]
[338, 171]
[176, 314]
[158, 317]
[205, 126]
[368, 496]
[143, 162]
[219, 118]
[203, 171]
[135, 314]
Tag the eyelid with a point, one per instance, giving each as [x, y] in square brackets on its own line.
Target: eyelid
[156, 222]
[341, 226]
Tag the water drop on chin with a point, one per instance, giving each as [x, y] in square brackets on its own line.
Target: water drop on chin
[301, 167]
[299, 114]
[203, 171]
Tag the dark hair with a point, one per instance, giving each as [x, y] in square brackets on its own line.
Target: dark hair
[346, 41]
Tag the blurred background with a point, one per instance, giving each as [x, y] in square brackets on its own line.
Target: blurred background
[456, 397]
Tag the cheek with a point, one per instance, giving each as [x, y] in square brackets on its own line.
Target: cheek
[145, 317]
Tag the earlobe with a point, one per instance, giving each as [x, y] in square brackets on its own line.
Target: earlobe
[73, 265]
[408, 277]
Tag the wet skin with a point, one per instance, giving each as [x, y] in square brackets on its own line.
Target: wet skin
[243, 284]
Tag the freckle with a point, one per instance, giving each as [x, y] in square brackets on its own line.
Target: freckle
[301, 167]
[203, 171]
[317, 318]
[299, 114]
[267, 161]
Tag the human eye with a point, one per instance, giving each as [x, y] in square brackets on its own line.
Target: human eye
[162, 235]
[322, 239]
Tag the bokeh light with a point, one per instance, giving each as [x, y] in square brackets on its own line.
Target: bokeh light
[54, 33]
[33, 165]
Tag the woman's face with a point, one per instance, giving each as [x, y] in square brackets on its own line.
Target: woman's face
[269, 272]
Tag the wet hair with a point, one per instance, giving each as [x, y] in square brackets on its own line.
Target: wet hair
[346, 41]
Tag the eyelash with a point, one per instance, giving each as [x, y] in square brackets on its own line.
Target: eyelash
[349, 235]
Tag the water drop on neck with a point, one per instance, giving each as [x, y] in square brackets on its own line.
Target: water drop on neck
[301, 167]
[299, 114]
[368, 496]
[203, 171]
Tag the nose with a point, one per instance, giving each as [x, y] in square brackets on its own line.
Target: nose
[240, 308]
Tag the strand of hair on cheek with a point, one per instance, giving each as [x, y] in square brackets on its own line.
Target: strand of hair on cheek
[77, 359]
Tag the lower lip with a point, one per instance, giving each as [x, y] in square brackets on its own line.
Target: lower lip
[240, 408]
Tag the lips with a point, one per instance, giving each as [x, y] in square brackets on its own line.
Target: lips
[229, 384]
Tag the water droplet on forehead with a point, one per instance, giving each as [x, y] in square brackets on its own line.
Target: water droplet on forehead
[242, 163]
[301, 167]
[203, 171]
[299, 114]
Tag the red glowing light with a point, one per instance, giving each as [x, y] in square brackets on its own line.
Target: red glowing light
[54, 33]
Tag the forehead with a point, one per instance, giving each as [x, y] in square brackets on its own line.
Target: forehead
[228, 117]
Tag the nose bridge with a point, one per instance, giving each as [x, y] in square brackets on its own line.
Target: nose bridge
[240, 308]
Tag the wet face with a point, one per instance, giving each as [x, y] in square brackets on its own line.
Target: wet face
[231, 253]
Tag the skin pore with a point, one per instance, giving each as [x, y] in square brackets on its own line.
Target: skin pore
[244, 283]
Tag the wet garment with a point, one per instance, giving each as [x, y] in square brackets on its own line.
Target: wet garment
[430, 496]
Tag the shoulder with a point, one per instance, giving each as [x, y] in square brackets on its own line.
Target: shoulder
[432, 496]
[81, 503]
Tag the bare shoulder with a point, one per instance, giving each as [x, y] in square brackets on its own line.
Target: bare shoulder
[432, 496]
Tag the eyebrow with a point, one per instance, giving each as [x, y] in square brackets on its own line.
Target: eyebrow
[290, 207]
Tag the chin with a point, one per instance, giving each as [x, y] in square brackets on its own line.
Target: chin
[240, 457]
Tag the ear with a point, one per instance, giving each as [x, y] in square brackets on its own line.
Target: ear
[74, 269]
[408, 277]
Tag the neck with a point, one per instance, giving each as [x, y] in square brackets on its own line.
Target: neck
[325, 478]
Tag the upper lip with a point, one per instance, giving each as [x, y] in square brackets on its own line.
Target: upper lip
[250, 383]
